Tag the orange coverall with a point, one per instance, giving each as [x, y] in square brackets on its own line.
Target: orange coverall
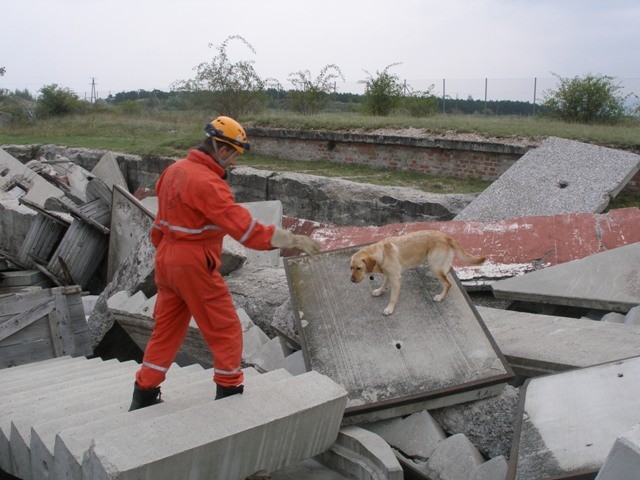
[196, 209]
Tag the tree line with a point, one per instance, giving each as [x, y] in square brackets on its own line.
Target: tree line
[225, 87]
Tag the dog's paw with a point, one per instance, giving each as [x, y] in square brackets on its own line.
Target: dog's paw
[388, 311]
[377, 292]
[438, 298]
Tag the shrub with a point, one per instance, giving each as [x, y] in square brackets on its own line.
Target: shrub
[233, 88]
[589, 99]
[55, 101]
[383, 93]
[312, 96]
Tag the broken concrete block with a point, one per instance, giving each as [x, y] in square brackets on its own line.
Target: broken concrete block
[455, 457]
[494, 469]
[294, 363]
[178, 446]
[633, 316]
[134, 303]
[118, 299]
[253, 338]
[416, 435]
[488, 423]
[363, 455]
[269, 357]
[613, 317]
[623, 461]
[108, 170]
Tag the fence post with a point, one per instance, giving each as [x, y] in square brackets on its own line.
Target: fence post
[443, 90]
[535, 84]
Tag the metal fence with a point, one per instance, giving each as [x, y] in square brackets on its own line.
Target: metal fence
[533, 90]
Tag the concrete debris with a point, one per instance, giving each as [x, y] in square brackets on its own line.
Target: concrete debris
[343, 390]
[615, 287]
[623, 461]
[559, 176]
[537, 345]
[595, 404]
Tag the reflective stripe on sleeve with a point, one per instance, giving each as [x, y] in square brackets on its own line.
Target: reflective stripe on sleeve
[248, 232]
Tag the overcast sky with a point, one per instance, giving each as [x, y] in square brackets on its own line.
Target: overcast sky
[148, 44]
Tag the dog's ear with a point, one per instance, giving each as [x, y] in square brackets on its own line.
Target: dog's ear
[370, 262]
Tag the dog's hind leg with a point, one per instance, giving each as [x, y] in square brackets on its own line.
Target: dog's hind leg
[440, 264]
[446, 286]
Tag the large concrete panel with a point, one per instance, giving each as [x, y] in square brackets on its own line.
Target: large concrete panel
[130, 220]
[542, 344]
[570, 421]
[560, 176]
[604, 281]
[424, 350]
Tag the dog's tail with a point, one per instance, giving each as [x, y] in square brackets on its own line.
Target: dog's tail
[465, 256]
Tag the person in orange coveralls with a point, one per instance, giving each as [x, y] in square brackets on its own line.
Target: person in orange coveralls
[196, 209]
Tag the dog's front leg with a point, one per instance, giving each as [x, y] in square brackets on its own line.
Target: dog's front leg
[379, 291]
[395, 294]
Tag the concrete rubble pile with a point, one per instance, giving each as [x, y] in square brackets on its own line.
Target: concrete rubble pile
[542, 340]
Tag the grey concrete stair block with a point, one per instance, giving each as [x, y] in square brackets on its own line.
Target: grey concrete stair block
[22, 403]
[43, 435]
[362, 454]
[69, 402]
[71, 443]
[51, 373]
[177, 445]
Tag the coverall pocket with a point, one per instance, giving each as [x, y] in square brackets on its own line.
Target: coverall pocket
[211, 260]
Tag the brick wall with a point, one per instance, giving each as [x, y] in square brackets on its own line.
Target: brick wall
[459, 159]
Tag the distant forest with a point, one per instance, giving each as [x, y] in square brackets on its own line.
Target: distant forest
[340, 102]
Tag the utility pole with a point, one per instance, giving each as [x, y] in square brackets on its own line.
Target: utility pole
[94, 97]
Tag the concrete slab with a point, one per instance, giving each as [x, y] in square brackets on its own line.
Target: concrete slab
[21, 182]
[179, 446]
[130, 220]
[424, 350]
[570, 421]
[560, 176]
[108, 170]
[512, 247]
[542, 344]
[604, 281]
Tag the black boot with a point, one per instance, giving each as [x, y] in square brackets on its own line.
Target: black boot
[222, 392]
[143, 397]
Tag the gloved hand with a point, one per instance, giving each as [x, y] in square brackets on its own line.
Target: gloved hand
[285, 239]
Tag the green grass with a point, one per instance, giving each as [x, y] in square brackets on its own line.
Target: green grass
[172, 134]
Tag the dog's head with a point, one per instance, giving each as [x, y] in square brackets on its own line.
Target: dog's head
[361, 263]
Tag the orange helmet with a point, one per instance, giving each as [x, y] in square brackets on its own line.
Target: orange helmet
[227, 130]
